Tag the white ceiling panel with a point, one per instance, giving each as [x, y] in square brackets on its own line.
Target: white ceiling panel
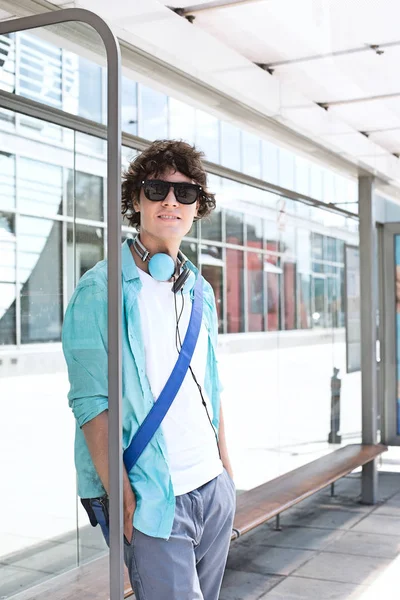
[219, 49]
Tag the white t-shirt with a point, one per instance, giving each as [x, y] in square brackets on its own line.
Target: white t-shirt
[190, 438]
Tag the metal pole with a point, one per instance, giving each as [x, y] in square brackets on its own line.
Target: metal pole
[368, 279]
[114, 264]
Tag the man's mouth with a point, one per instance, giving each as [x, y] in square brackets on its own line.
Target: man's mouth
[168, 217]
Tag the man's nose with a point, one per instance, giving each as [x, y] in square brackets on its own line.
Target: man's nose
[170, 198]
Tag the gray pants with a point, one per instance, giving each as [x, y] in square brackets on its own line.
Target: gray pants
[190, 564]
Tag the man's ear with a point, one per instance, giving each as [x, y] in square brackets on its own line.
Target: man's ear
[136, 203]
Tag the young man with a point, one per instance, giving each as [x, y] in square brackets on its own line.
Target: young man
[179, 497]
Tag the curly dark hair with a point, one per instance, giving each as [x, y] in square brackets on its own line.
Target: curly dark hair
[158, 158]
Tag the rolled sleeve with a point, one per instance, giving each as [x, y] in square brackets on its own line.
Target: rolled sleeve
[85, 347]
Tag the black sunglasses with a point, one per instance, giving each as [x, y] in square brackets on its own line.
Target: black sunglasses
[157, 190]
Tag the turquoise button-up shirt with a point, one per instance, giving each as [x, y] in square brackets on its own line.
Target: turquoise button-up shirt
[84, 340]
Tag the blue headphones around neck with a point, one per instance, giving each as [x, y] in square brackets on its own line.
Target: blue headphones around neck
[162, 267]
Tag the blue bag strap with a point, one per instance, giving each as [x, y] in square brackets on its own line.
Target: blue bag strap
[160, 408]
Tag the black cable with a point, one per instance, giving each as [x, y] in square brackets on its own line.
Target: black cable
[178, 337]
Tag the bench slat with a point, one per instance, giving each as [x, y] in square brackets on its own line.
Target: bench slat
[264, 502]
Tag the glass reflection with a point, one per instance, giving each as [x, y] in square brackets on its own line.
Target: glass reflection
[235, 290]
[211, 264]
[7, 279]
[40, 277]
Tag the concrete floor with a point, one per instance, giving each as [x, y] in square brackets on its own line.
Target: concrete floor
[328, 549]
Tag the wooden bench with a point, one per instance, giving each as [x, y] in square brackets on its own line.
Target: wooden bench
[260, 504]
[254, 507]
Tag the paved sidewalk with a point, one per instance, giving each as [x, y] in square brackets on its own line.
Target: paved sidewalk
[329, 549]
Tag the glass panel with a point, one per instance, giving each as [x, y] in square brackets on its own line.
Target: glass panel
[189, 249]
[286, 169]
[304, 312]
[271, 236]
[40, 70]
[273, 272]
[230, 146]
[270, 162]
[85, 248]
[317, 246]
[319, 309]
[40, 187]
[207, 135]
[7, 280]
[90, 77]
[211, 226]
[254, 231]
[87, 149]
[129, 110]
[289, 287]
[85, 195]
[302, 176]
[40, 277]
[234, 227]
[303, 253]
[234, 292]
[212, 270]
[153, 114]
[316, 183]
[255, 291]
[251, 154]
[181, 121]
[7, 180]
[7, 62]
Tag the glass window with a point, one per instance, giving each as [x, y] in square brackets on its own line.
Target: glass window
[90, 104]
[234, 227]
[40, 276]
[129, 110]
[317, 246]
[189, 249]
[271, 234]
[251, 154]
[7, 180]
[153, 114]
[7, 62]
[85, 195]
[273, 272]
[85, 248]
[288, 237]
[330, 249]
[181, 121]
[316, 182]
[40, 70]
[40, 187]
[319, 310]
[7, 279]
[270, 162]
[329, 187]
[211, 264]
[303, 254]
[289, 287]
[333, 297]
[211, 226]
[304, 285]
[255, 291]
[234, 292]
[88, 148]
[302, 178]
[207, 135]
[254, 231]
[230, 146]
[286, 169]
